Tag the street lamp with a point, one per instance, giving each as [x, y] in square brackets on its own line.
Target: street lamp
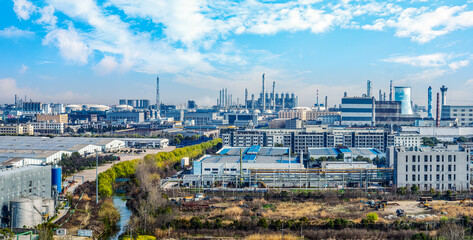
[96, 177]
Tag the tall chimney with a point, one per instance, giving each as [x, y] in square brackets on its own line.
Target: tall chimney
[158, 107]
[443, 89]
[273, 99]
[246, 98]
[391, 90]
[264, 97]
[368, 88]
[438, 110]
[380, 95]
[252, 102]
[429, 102]
[326, 104]
[317, 96]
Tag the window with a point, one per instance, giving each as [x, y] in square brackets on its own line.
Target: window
[207, 169]
[426, 168]
[407, 158]
[449, 168]
[442, 177]
[431, 168]
[454, 167]
[418, 168]
[430, 176]
[438, 158]
[442, 168]
[449, 177]
[454, 158]
[413, 168]
[443, 158]
[413, 177]
[449, 158]
[437, 178]
[413, 158]
[425, 177]
[426, 158]
[407, 168]
[407, 178]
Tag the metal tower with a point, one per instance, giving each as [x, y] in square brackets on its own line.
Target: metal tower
[429, 102]
[443, 89]
[158, 108]
[264, 97]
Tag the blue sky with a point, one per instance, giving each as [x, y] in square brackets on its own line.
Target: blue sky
[100, 51]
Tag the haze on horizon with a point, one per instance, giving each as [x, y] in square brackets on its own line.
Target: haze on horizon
[100, 51]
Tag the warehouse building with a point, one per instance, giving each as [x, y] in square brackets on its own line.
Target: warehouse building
[441, 169]
[23, 182]
[349, 154]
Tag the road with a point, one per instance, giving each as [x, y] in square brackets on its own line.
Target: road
[89, 174]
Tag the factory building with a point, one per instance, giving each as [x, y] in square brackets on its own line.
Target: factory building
[241, 119]
[463, 114]
[18, 158]
[59, 118]
[125, 117]
[440, 169]
[407, 139]
[16, 183]
[349, 154]
[146, 142]
[136, 103]
[48, 127]
[358, 111]
[390, 112]
[16, 129]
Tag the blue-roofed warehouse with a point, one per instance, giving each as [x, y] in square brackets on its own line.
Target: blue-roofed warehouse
[348, 153]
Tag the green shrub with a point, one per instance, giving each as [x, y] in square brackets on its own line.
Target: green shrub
[263, 223]
[372, 217]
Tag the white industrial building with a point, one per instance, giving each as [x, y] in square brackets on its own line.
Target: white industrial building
[146, 142]
[407, 139]
[438, 168]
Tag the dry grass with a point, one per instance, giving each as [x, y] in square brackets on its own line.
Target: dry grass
[233, 212]
[291, 210]
[270, 237]
[453, 209]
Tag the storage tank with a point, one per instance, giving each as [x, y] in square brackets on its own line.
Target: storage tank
[37, 209]
[403, 95]
[56, 178]
[48, 207]
[73, 107]
[21, 209]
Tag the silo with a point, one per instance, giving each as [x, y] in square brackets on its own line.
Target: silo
[57, 178]
[21, 210]
[403, 95]
[48, 207]
[37, 210]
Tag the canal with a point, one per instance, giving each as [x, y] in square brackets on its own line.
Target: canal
[119, 201]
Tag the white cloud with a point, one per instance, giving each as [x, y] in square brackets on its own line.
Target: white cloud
[14, 32]
[23, 8]
[458, 64]
[23, 69]
[425, 76]
[106, 65]
[47, 16]
[428, 60]
[423, 25]
[378, 25]
[70, 44]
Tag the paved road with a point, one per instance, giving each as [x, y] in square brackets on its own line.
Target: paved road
[89, 174]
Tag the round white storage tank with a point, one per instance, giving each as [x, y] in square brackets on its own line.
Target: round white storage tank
[101, 108]
[123, 108]
[37, 209]
[73, 107]
[22, 210]
[48, 207]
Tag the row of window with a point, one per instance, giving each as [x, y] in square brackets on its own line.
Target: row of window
[428, 177]
[429, 158]
[438, 167]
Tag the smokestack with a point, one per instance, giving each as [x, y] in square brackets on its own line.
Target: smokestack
[326, 104]
[158, 108]
[429, 102]
[368, 88]
[246, 98]
[225, 98]
[264, 97]
[380, 95]
[384, 96]
[317, 96]
[443, 89]
[391, 90]
[373, 119]
[252, 102]
[273, 99]
[438, 110]
[16, 101]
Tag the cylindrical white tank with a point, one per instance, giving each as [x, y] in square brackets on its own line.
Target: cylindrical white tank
[48, 207]
[37, 209]
[403, 95]
[21, 210]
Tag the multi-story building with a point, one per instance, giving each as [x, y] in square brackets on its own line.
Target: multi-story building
[125, 117]
[48, 127]
[463, 114]
[302, 139]
[440, 169]
[15, 129]
[59, 118]
[407, 139]
[358, 111]
[32, 107]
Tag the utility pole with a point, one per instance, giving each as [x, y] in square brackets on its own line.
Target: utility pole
[96, 177]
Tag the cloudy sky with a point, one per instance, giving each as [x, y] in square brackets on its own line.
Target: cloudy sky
[99, 51]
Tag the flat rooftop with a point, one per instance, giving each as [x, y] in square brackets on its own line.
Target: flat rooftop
[46, 143]
[254, 150]
[336, 151]
[249, 159]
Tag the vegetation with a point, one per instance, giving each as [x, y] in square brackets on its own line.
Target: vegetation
[7, 234]
[160, 160]
[76, 163]
[109, 215]
[429, 142]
